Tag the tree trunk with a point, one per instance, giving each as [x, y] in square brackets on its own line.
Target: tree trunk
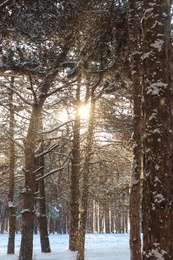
[12, 215]
[75, 174]
[85, 181]
[29, 191]
[157, 190]
[135, 231]
[3, 216]
[41, 201]
[44, 239]
[26, 248]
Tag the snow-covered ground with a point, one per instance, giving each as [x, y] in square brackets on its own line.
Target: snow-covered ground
[98, 247]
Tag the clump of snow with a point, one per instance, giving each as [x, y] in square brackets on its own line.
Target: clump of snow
[134, 167]
[149, 10]
[156, 179]
[11, 204]
[25, 211]
[156, 24]
[152, 4]
[165, 15]
[157, 167]
[156, 88]
[147, 55]
[157, 44]
[156, 252]
[158, 198]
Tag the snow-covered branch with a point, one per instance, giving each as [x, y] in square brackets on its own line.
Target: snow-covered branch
[56, 128]
[51, 148]
[49, 173]
[18, 94]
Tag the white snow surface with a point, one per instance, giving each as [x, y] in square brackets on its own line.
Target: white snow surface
[98, 247]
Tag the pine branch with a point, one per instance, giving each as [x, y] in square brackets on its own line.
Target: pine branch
[49, 173]
[5, 3]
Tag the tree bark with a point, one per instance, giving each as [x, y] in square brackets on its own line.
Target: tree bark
[157, 190]
[32, 163]
[85, 181]
[135, 45]
[75, 175]
[28, 211]
[11, 207]
[41, 200]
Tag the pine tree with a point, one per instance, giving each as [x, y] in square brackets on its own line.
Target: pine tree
[157, 189]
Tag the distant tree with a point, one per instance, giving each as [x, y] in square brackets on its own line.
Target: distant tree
[157, 189]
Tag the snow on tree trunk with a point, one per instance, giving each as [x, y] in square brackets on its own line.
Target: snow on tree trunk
[134, 38]
[157, 187]
[41, 200]
[26, 248]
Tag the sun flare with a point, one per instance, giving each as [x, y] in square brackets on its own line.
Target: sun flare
[84, 112]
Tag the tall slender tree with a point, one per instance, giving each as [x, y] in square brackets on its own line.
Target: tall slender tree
[12, 214]
[85, 181]
[40, 188]
[75, 174]
[135, 186]
[157, 189]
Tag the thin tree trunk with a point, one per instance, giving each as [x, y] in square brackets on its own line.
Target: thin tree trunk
[85, 181]
[94, 216]
[158, 179]
[44, 239]
[75, 175]
[12, 214]
[3, 216]
[41, 201]
[135, 231]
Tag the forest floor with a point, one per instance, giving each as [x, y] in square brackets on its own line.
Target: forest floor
[98, 247]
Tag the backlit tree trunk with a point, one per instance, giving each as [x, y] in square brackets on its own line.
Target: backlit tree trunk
[85, 183]
[28, 211]
[157, 198]
[75, 174]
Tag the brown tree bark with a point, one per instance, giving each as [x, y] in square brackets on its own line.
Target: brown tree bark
[33, 162]
[11, 207]
[135, 46]
[75, 175]
[157, 190]
[85, 183]
[28, 211]
[40, 198]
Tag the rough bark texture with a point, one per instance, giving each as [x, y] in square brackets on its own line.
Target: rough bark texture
[157, 199]
[135, 223]
[32, 164]
[75, 174]
[85, 188]
[12, 213]
[28, 212]
[41, 200]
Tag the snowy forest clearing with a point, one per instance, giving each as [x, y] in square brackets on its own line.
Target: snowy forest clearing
[98, 246]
